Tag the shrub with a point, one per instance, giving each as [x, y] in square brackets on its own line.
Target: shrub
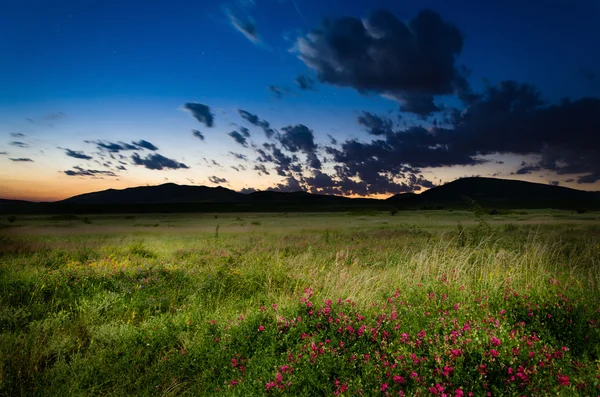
[11, 218]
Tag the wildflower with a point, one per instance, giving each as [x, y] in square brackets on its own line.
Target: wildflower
[494, 353]
[563, 380]
[234, 382]
[261, 328]
[398, 379]
[384, 387]
[495, 341]
[458, 393]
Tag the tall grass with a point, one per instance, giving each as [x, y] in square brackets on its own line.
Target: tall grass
[161, 314]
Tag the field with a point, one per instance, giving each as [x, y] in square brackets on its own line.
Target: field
[446, 303]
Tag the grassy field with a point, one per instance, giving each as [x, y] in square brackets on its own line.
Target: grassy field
[420, 303]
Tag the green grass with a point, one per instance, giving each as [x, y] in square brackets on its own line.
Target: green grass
[301, 304]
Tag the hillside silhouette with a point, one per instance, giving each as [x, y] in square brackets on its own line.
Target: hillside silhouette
[170, 197]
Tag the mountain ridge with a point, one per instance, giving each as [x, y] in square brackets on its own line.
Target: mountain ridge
[170, 197]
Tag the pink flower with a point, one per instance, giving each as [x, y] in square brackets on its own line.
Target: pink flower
[398, 379]
[458, 393]
[234, 382]
[494, 353]
[384, 387]
[495, 341]
[563, 380]
[261, 328]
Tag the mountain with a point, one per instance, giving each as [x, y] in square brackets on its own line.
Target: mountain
[166, 193]
[488, 192]
[504, 193]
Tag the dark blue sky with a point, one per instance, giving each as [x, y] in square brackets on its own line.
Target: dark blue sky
[122, 71]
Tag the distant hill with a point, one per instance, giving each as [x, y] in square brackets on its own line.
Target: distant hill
[166, 193]
[7, 201]
[170, 197]
[503, 193]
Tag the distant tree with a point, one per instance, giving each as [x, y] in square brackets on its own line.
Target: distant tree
[11, 218]
[393, 211]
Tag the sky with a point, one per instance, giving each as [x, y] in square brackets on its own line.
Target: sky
[356, 98]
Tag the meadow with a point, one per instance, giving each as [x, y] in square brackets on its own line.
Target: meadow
[429, 303]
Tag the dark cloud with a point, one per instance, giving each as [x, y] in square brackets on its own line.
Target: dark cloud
[19, 144]
[305, 83]
[508, 118]
[527, 169]
[588, 74]
[77, 154]
[239, 138]
[245, 26]
[142, 144]
[261, 169]
[256, 121]
[589, 178]
[216, 180]
[270, 153]
[113, 147]
[410, 62]
[22, 160]
[554, 183]
[78, 171]
[3, 153]
[376, 125]
[200, 112]
[239, 156]
[278, 91]
[17, 135]
[245, 132]
[332, 140]
[198, 134]
[300, 138]
[121, 168]
[290, 184]
[156, 161]
[248, 190]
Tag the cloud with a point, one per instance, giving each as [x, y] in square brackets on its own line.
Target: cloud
[239, 138]
[198, 134]
[301, 138]
[376, 125]
[121, 168]
[270, 153]
[3, 153]
[142, 144]
[510, 118]
[261, 169]
[290, 185]
[79, 171]
[216, 180]
[113, 147]
[239, 156]
[156, 161]
[554, 183]
[245, 26]
[19, 144]
[22, 160]
[77, 154]
[527, 169]
[305, 83]
[278, 91]
[588, 74]
[245, 132]
[256, 121]
[200, 112]
[17, 135]
[332, 140]
[410, 62]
